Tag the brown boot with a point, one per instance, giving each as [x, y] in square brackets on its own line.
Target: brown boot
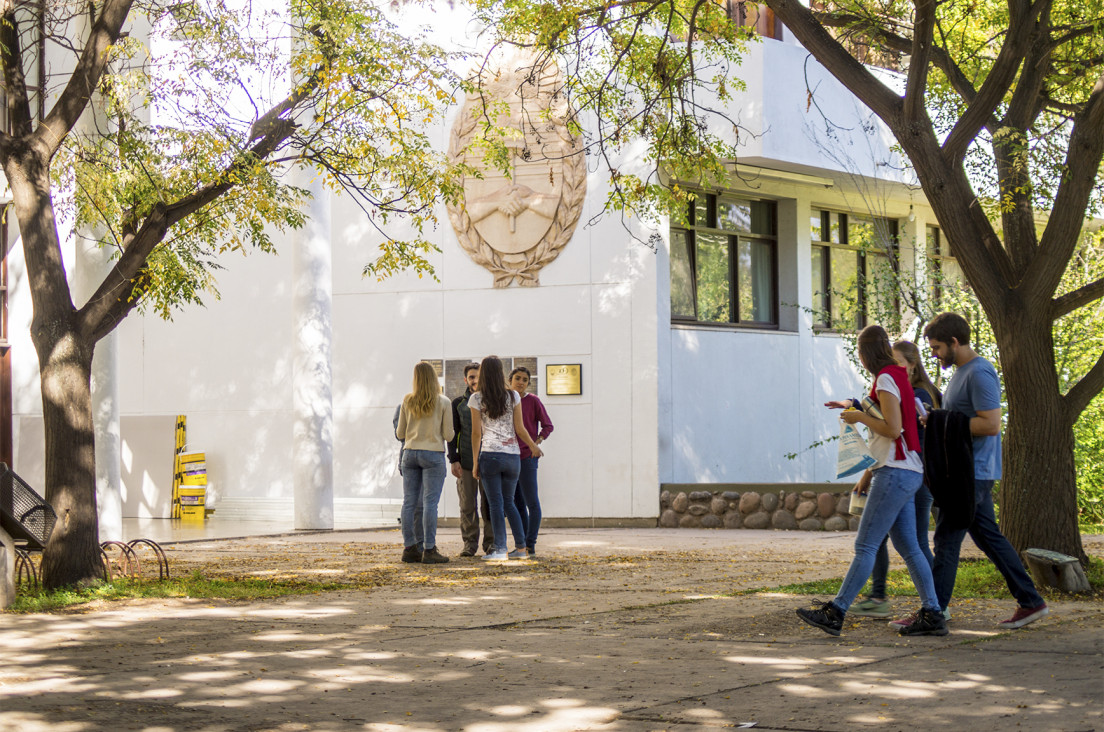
[412, 554]
[432, 556]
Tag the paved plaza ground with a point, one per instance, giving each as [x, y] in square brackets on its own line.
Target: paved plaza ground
[613, 629]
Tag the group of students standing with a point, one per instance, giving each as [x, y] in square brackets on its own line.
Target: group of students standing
[899, 500]
[493, 434]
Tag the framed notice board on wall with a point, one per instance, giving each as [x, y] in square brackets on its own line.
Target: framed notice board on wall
[563, 379]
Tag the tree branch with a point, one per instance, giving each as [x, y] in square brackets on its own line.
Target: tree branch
[1078, 298]
[74, 99]
[827, 50]
[115, 296]
[998, 81]
[1081, 393]
[916, 87]
[15, 83]
[1059, 239]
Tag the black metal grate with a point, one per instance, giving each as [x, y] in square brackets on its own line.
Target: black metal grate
[23, 513]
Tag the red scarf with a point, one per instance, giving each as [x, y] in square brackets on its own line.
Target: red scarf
[910, 438]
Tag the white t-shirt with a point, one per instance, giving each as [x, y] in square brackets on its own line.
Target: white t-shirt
[498, 434]
[883, 449]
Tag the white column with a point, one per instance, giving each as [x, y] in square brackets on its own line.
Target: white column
[312, 376]
[93, 262]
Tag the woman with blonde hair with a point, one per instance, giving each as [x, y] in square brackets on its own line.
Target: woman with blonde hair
[425, 423]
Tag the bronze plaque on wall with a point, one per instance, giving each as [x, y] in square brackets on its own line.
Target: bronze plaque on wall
[563, 379]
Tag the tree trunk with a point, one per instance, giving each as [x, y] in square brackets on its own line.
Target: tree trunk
[1038, 491]
[72, 556]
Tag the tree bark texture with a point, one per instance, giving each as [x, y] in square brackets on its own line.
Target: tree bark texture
[72, 554]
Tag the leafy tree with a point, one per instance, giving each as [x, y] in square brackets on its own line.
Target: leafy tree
[164, 142]
[1001, 116]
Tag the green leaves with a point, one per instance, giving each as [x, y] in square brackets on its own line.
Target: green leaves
[651, 79]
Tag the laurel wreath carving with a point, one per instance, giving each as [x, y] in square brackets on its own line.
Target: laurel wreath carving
[525, 272]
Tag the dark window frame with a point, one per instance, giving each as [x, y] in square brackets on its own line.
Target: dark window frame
[863, 257]
[690, 231]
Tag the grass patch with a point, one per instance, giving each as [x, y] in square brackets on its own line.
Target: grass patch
[977, 578]
[193, 585]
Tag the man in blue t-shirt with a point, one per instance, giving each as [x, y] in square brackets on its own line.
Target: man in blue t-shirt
[974, 390]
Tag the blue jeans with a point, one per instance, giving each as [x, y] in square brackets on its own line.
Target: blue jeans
[890, 509]
[423, 478]
[988, 537]
[498, 471]
[923, 503]
[527, 501]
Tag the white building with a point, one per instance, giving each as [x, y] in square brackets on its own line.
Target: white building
[701, 362]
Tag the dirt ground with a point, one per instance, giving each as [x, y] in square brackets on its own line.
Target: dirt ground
[610, 630]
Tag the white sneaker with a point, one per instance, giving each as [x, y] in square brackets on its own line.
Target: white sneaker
[496, 556]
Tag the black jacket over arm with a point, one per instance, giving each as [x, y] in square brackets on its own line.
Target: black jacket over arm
[949, 466]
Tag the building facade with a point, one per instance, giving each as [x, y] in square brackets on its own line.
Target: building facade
[705, 360]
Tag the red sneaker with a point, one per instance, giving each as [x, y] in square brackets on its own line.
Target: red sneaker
[1025, 615]
[904, 622]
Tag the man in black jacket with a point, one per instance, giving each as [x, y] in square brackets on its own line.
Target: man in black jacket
[472, 499]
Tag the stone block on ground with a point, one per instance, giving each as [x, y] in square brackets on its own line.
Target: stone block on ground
[749, 503]
[664, 499]
[697, 510]
[701, 496]
[711, 521]
[669, 519]
[757, 520]
[1053, 569]
[836, 523]
[791, 501]
[733, 520]
[680, 502]
[810, 524]
[783, 519]
[769, 502]
[843, 503]
[804, 510]
[853, 523]
[689, 522]
[826, 505]
[718, 505]
[730, 496]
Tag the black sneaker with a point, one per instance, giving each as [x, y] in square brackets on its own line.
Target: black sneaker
[412, 554]
[827, 617]
[432, 556]
[926, 622]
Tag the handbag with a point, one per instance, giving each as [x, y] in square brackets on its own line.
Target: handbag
[854, 456]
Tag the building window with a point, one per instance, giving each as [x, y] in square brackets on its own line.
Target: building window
[943, 269]
[724, 263]
[854, 271]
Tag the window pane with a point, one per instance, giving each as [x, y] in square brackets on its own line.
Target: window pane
[833, 228]
[714, 278]
[845, 289]
[952, 274]
[817, 225]
[820, 292]
[682, 283]
[701, 210]
[934, 244]
[756, 281]
[734, 215]
[881, 292]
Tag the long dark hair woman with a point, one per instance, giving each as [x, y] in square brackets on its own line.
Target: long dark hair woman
[890, 509]
[496, 428]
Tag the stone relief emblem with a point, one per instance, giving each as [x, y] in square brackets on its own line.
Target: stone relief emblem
[515, 225]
